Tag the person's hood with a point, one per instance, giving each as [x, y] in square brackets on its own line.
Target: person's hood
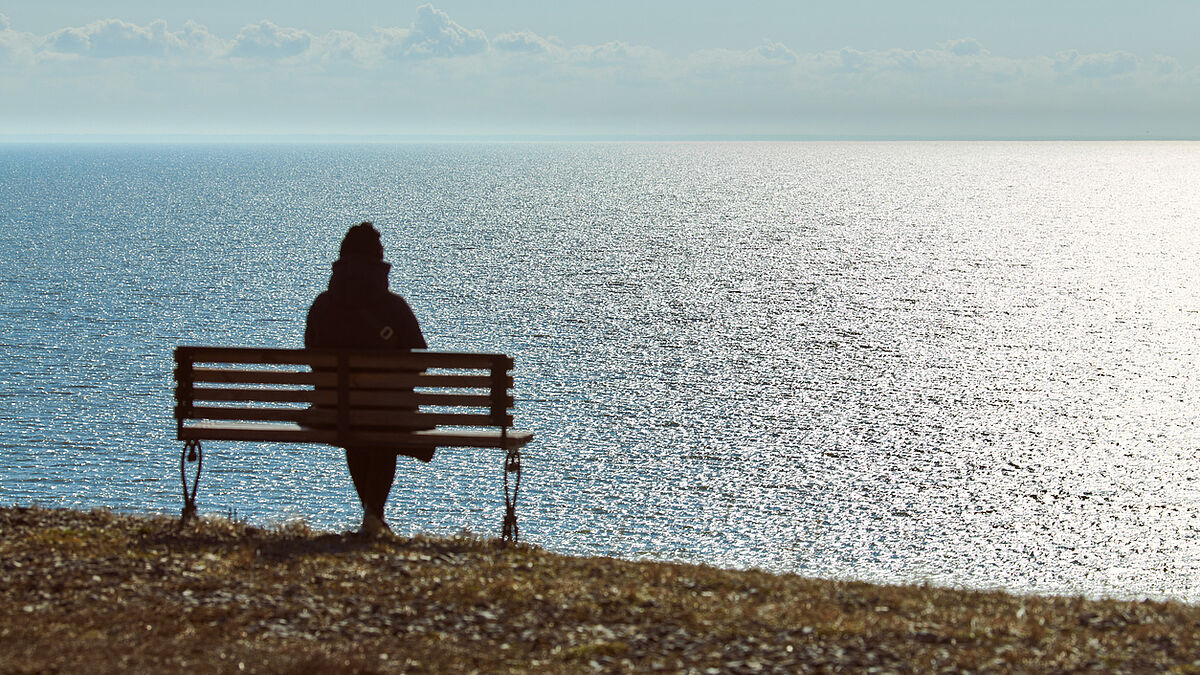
[356, 277]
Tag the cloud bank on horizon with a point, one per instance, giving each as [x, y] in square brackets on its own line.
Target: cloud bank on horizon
[437, 76]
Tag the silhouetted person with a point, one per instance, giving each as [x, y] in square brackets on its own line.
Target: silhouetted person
[358, 311]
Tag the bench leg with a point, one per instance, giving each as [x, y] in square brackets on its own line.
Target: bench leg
[192, 452]
[512, 464]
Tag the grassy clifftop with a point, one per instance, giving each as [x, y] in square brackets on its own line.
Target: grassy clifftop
[101, 592]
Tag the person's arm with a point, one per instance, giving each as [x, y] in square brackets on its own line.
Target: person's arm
[323, 327]
[410, 329]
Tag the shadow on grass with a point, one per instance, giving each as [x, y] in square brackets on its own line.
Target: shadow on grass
[294, 541]
[221, 535]
[268, 544]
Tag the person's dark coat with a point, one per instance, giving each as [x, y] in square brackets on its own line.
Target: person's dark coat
[358, 310]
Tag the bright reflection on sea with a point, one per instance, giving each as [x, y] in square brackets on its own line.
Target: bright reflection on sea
[968, 364]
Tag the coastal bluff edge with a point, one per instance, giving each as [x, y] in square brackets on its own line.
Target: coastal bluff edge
[99, 591]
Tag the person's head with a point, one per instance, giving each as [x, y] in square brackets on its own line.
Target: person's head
[362, 240]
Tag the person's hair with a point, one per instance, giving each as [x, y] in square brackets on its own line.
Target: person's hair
[362, 240]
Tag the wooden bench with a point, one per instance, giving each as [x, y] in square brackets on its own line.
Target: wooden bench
[391, 400]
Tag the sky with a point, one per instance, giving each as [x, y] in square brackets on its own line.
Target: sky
[770, 69]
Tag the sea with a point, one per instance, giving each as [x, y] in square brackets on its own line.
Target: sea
[964, 364]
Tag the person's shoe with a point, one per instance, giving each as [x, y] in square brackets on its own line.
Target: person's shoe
[373, 526]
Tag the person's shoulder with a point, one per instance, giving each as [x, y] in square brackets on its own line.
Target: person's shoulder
[397, 302]
[323, 303]
[322, 298]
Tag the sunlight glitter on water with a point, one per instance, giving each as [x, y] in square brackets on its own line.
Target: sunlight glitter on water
[965, 363]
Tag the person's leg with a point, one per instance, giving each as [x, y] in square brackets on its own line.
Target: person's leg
[372, 473]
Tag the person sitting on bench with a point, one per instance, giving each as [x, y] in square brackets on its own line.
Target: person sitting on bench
[358, 311]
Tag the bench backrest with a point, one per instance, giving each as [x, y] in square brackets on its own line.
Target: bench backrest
[342, 391]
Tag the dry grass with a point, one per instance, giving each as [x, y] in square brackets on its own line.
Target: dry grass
[99, 592]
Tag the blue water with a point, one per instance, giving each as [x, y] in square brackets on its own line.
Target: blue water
[969, 364]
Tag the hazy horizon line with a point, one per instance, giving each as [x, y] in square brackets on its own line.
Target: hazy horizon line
[399, 138]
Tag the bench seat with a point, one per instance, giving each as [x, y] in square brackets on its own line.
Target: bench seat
[290, 432]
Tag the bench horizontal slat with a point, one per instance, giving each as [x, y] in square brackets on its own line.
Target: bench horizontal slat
[400, 360]
[427, 381]
[356, 417]
[256, 414]
[358, 397]
[418, 360]
[424, 419]
[234, 431]
[370, 399]
[393, 380]
[263, 395]
[233, 376]
[298, 357]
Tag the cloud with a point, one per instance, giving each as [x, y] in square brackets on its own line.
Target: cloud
[15, 47]
[613, 54]
[1165, 65]
[344, 47]
[852, 60]
[965, 61]
[68, 41]
[113, 38]
[775, 52]
[964, 47]
[434, 34]
[769, 56]
[1111, 64]
[196, 39]
[267, 41]
[525, 42]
